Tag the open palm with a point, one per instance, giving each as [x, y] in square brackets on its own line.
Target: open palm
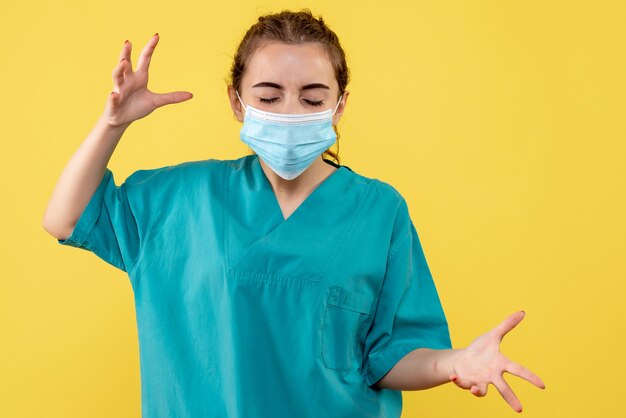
[481, 363]
[130, 99]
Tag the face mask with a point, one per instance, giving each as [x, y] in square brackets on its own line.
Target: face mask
[288, 143]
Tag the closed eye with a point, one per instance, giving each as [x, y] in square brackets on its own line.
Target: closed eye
[311, 102]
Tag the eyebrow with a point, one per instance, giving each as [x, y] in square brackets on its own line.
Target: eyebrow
[278, 86]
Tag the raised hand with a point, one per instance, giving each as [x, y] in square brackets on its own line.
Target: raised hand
[130, 99]
[481, 363]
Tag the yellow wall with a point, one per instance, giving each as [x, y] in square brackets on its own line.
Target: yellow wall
[501, 122]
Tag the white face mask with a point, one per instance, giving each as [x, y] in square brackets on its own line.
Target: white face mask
[288, 143]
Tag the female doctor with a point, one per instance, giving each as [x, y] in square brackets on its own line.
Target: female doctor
[281, 283]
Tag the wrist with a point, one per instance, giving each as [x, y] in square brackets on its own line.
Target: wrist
[104, 123]
[445, 364]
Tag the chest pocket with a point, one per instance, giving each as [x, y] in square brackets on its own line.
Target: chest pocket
[345, 318]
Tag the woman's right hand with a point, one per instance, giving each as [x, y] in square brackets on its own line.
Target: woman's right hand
[130, 99]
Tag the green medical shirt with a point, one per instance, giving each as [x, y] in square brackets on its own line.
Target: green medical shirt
[241, 313]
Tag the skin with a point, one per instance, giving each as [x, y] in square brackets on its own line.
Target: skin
[291, 67]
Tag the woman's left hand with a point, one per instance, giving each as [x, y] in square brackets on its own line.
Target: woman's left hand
[481, 363]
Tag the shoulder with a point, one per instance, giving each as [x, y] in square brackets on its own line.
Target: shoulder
[168, 172]
[381, 192]
[398, 207]
[386, 205]
[187, 171]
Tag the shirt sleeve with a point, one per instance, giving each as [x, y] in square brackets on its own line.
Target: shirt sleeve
[108, 226]
[409, 314]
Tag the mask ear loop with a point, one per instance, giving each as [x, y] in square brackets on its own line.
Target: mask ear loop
[339, 101]
[239, 97]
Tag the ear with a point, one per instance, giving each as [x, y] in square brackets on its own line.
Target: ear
[235, 104]
[341, 107]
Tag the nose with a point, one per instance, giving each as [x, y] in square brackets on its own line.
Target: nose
[291, 104]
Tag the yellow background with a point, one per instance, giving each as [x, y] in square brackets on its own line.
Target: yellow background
[501, 122]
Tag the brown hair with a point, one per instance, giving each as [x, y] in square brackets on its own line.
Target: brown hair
[292, 28]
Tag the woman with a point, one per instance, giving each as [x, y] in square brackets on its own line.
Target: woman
[278, 284]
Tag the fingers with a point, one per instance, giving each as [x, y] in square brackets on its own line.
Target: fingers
[115, 99]
[125, 55]
[173, 97]
[507, 393]
[118, 75]
[509, 323]
[479, 390]
[462, 383]
[146, 54]
[524, 373]
[123, 68]
[125, 52]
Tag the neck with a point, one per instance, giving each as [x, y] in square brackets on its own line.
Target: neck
[313, 175]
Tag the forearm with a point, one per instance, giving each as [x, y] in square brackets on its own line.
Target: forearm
[80, 178]
[422, 368]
